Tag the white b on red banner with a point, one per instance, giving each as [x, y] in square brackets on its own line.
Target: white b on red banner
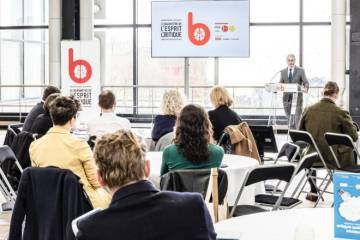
[80, 71]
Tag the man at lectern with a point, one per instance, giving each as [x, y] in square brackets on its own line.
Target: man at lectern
[296, 75]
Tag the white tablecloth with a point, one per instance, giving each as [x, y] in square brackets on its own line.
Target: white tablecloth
[279, 225]
[237, 167]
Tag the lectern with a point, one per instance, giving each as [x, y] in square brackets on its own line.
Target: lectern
[282, 88]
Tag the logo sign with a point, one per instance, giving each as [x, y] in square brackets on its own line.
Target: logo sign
[200, 28]
[199, 33]
[80, 71]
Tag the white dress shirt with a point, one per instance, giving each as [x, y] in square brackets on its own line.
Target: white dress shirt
[107, 123]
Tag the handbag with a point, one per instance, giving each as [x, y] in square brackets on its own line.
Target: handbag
[217, 211]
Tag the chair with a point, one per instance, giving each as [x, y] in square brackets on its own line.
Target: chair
[49, 199]
[12, 131]
[211, 183]
[224, 142]
[10, 171]
[297, 135]
[193, 180]
[20, 146]
[283, 172]
[333, 139]
[305, 164]
[91, 142]
[290, 151]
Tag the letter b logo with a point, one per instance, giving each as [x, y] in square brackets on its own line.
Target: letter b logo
[199, 33]
[80, 71]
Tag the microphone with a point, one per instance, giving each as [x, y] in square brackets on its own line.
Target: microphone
[270, 87]
[272, 78]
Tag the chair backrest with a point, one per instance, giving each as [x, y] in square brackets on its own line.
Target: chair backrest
[339, 139]
[333, 139]
[224, 142]
[297, 135]
[283, 172]
[288, 150]
[21, 145]
[91, 141]
[193, 180]
[49, 199]
[306, 162]
[164, 141]
[16, 127]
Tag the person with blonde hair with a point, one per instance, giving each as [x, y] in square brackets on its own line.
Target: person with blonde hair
[222, 116]
[172, 102]
[138, 210]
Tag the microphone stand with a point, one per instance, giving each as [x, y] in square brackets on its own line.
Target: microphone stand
[270, 88]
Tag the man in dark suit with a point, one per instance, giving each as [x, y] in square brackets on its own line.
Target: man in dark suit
[38, 108]
[293, 74]
[138, 210]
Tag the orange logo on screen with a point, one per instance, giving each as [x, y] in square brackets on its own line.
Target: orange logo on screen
[199, 33]
[80, 71]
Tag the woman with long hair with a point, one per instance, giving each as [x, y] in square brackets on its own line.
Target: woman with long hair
[192, 148]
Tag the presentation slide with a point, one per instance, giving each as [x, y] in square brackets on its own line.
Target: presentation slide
[200, 28]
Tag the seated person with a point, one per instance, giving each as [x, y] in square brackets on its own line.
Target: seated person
[323, 117]
[192, 148]
[107, 122]
[60, 149]
[171, 104]
[222, 116]
[43, 122]
[138, 210]
[38, 108]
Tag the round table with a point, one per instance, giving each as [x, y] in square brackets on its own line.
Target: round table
[237, 166]
[279, 225]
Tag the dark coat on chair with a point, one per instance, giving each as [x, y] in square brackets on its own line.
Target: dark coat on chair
[30, 118]
[323, 117]
[141, 212]
[50, 198]
[20, 146]
[163, 124]
[222, 117]
[42, 124]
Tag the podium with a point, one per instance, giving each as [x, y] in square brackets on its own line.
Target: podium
[283, 88]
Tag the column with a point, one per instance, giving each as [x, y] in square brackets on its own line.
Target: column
[338, 45]
[55, 19]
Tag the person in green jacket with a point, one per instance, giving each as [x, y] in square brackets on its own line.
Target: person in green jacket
[192, 148]
[323, 117]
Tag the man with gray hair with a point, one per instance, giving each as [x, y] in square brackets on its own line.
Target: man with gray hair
[138, 210]
[296, 75]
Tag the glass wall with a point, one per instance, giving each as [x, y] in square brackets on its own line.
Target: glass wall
[277, 27]
[24, 51]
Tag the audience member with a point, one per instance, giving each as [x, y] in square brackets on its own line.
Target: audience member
[107, 122]
[323, 117]
[171, 104]
[138, 210]
[43, 122]
[192, 148]
[38, 108]
[59, 148]
[222, 116]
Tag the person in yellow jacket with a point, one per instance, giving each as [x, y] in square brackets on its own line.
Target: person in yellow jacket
[58, 148]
